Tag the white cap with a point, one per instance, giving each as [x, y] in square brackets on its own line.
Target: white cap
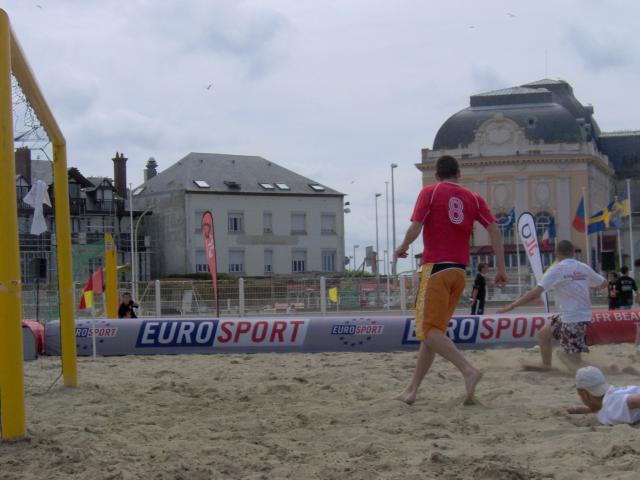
[592, 380]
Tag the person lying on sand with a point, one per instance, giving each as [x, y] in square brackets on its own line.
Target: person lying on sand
[571, 281]
[612, 405]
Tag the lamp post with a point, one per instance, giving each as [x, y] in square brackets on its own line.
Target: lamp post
[377, 241]
[393, 217]
[135, 251]
[131, 243]
[355, 264]
[386, 197]
[346, 210]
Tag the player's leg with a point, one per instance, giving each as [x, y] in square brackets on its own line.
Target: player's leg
[637, 339]
[423, 364]
[573, 342]
[545, 340]
[450, 284]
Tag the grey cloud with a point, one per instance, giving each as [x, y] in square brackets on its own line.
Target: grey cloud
[599, 50]
[233, 29]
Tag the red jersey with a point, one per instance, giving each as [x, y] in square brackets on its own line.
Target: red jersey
[447, 212]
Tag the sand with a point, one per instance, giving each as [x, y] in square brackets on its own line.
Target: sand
[313, 416]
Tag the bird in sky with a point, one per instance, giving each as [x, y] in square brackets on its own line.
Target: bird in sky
[209, 86]
[39, 6]
[511, 15]
[471, 26]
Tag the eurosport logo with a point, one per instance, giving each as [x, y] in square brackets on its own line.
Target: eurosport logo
[177, 333]
[98, 332]
[221, 333]
[262, 333]
[484, 329]
[357, 331]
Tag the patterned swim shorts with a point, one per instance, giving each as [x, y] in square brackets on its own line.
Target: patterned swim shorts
[572, 336]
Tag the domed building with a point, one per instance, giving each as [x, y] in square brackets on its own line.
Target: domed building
[535, 147]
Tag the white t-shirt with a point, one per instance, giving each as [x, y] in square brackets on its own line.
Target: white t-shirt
[571, 281]
[615, 409]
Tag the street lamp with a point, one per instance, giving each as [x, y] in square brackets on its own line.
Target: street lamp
[135, 251]
[131, 244]
[355, 264]
[386, 198]
[346, 210]
[393, 216]
[377, 243]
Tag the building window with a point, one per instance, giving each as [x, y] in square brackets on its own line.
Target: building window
[267, 222]
[201, 261]
[328, 260]
[543, 220]
[236, 261]
[268, 261]
[299, 261]
[22, 188]
[236, 222]
[298, 223]
[328, 223]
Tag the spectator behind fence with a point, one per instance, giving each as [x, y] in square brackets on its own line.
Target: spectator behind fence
[126, 309]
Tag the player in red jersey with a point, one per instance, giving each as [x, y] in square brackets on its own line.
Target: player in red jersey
[445, 213]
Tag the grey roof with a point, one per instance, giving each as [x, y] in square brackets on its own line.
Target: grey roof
[215, 169]
[546, 109]
[544, 81]
[621, 133]
[508, 91]
[623, 150]
[97, 181]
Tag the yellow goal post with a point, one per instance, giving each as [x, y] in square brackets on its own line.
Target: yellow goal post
[12, 407]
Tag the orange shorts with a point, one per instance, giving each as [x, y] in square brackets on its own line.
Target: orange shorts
[437, 297]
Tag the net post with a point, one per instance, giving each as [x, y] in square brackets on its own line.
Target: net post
[12, 406]
[65, 273]
[111, 277]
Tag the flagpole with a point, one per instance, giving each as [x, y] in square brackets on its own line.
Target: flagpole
[586, 219]
[619, 247]
[618, 222]
[517, 242]
[632, 256]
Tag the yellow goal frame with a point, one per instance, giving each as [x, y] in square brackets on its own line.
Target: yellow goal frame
[12, 414]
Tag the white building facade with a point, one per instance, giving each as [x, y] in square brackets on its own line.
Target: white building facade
[268, 220]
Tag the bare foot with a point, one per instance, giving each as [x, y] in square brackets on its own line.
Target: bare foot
[471, 379]
[407, 397]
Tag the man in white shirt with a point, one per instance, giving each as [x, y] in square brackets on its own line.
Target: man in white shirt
[571, 280]
[612, 405]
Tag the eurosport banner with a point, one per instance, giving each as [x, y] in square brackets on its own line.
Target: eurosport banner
[529, 239]
[151, 336]
[209, 237]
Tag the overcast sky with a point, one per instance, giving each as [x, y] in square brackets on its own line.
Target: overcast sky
[334, 90]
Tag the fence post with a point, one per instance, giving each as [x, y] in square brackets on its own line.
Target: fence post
[241, 297]
[158, 299]
[403, 294]
[323, 295]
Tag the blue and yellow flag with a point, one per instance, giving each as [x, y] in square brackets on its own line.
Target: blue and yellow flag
[599, 221]
[625, 204]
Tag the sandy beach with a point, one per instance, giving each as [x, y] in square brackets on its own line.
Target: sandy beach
[313, 416]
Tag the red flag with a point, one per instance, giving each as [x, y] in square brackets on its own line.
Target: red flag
[579, 222]
[209, 237]
[86, 299]
[96, 279]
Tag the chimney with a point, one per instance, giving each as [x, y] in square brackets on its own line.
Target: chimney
[23, 163]
[120, 174]
[151, 170]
